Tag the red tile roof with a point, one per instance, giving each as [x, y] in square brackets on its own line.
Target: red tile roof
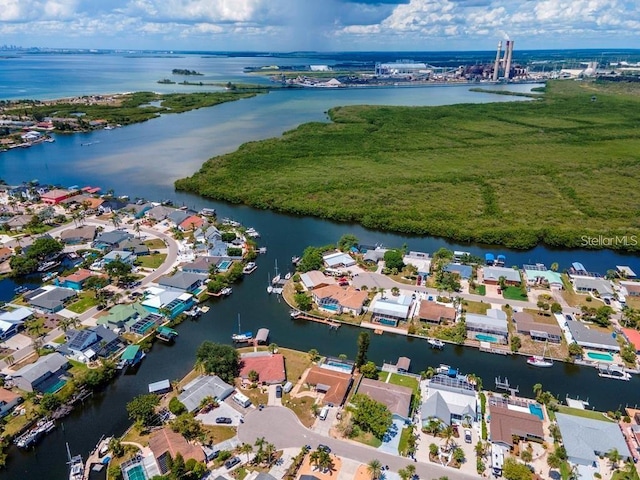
[270, 368]
[435, 312]
[192, 222]
[79, 276]
[166, 440]
[7, 396]
[337, 382]
[633, 336]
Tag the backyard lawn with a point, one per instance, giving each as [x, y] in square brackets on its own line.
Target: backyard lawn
[405, 381]
[583, 413]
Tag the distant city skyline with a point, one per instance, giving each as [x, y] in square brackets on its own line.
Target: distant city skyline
[321, 25]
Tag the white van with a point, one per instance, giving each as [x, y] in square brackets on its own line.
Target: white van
[242, 400]
[324, 412]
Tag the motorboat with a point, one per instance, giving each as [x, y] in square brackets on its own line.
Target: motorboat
[539, 361]
[436, 343]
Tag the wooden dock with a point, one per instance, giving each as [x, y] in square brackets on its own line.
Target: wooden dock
[303, 316]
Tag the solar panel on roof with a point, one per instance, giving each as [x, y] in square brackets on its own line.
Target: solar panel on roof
[77, 343]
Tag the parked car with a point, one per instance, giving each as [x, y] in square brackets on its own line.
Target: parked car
[223, 420]
[232, 462]
[324, 447]
[467, 436]
[278, 391]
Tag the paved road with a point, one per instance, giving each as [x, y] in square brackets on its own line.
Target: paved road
[281, 427]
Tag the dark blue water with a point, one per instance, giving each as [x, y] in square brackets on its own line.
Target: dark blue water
[144, 160]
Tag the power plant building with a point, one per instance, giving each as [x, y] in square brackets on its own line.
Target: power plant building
[401, 68]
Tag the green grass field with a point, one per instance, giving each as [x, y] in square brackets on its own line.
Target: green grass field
[549, 171]
[151, 261]
[514, 293]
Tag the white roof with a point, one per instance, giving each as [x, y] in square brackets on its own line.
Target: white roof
[626, 270]
[477, 320]
[600, 285]
[17, 315]
[163, 298]
[494, 273]
[391, 306]
[337, 259]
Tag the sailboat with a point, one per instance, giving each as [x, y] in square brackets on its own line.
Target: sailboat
[276, 279]
[76, 466]
[540, 361]
[269, 286]
[241, 337]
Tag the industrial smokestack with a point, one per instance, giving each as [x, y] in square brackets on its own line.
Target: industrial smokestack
[509, 55]
[496, 66]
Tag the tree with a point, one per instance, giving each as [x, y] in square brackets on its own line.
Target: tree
[116, 447]
[314, 356]
[187, 426]
[176, 406]
[575, 350]
[554, 267]
[118, 269]
[527, 455]
[253, 376]
[246, 448]
[433, 427]
[269, 450]
[556, 308]
[514, 470]
[537, 390]
[311, 259]
[273, 347]
[374, 467]
[370, 415]
[363, 347]
[393, 259]
[303, 301]
[223, 360]
[347, 241]
[614, 457]
[142, 408]
[516, 343]
[458, 455]
[404, 474]
[369, 370]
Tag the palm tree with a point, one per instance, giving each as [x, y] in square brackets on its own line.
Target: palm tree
[447, 433]
[115, 219]
[433, 427]
[411, 469]
[136, 228]
[537, 389]
[269, 450]
[404, 474]
[374, 467]
[614, 457]
[246, 448]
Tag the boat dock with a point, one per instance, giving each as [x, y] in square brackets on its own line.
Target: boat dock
[97, 456]
[487, 348]
[297, 315]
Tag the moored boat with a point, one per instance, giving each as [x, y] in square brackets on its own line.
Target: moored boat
[616, 372]
[436, 343]
[249, 268]
[538, 361]
[241, 337]
[76, 466]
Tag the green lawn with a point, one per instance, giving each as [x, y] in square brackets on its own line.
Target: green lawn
[151, 261]
[368, 439]
[479, 290]
[155, 244]
[582, 413]
[85, 301]
[476, 307]
[514, 293]
[404, 439]
[433, 170]
[405, 381]
[382, 376]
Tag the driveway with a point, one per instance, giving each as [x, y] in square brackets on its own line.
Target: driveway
[280, 426]
[223, 410]
[391, 440]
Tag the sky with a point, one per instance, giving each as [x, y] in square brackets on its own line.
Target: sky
[322, 25]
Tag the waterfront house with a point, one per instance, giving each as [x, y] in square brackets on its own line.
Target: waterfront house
[182, 281]
[584, 284]
[135, 246]
[633, 337]
[333, 384]
[111, 240]
[463, 271]
[338, 259]
[396, 398]
[538, 276]
[49, 299]
[159, 212]
[110, 205]
[316, 279]
[374, 255]
[136, 210]
[491, 327]
[420, 260]
[56, 196]
[191, 223]
[538, 331]
[178, 216]
[75, 280]
[491, 275]
[121, 255]
[433, 312]
[202, 387]
[8, 400]
[448, 400]
[166, 444]
[78, 235]
[211, 239]
[391, 310]
[132, 317]
[509, 425]
[88, 344]
[591, 338]
[202, 264]
[11, 321]
[631, 289]
[587, 440]
[171, 303]
[44, 375]
[335, 299]
[269, 366]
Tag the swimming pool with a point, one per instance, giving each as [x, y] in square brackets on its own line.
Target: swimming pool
[386, 321]
[135, 473]
[486, 338]
[536, 410]
[603, 357]
[224, 265]
[56, 386]
[336, 365]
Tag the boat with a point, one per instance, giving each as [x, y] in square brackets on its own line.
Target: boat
[226, 291]
[616, 372]
[252, 232]
[287, 276]
[166, 334]
[436, 343]
[249, 268]
[205, 308]
[269, 289]
[241, 337]
[275, 280]
[208, 212]
[50, 140]
[76, 466]
[539, 360]
[295, 260]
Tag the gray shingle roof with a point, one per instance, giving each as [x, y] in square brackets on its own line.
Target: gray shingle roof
[48, 363]
[181, 280]
[113, 237]
[51, 299]
[588, 337]
[201, 387]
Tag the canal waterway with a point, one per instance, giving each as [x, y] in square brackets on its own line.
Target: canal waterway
[143, 161]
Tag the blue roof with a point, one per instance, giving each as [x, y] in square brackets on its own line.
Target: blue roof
[465, 271]
[501, 257]
[578, 267]
[489, 256]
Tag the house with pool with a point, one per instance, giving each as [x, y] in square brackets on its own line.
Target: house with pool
[336, 299]
[131, 317]
[390, 311]
[45, 375]
[492, 327]
[166, 302]
[603, 343]
[448, 400]
[182, 281]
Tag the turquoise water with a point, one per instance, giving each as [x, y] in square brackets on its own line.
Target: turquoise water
[224, 266]
[536, 410]
[56, 386]
[386, 321]
[331, 307]
[135, 473]
[486, 338]
[342, 366]
[603, 357]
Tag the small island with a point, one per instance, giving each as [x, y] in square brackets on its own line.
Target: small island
[180, 71]
[166, 81]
